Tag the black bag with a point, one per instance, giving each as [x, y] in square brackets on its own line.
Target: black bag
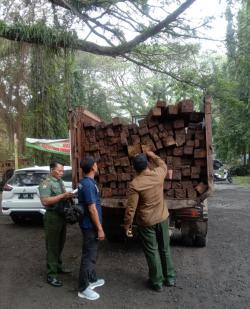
[67, 208]
[72, 213]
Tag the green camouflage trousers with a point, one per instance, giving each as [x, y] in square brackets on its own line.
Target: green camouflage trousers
[55, 236]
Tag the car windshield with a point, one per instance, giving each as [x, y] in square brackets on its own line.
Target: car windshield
[27, 178]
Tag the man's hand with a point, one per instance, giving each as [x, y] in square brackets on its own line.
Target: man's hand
[100, 234]
[128, 231]
[51, 200]
[150, 154]
[68, 195]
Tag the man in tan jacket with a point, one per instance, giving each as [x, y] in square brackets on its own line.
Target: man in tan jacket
[146, 204]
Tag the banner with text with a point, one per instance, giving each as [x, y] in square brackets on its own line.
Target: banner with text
[59, 146]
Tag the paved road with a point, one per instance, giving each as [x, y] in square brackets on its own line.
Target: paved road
[217, 276]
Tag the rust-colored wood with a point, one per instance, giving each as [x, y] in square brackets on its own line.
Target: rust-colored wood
[179, 146]
[186, 106]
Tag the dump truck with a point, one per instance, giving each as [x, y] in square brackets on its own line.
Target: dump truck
[178, 134]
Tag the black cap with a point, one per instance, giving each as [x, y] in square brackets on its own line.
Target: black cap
[140, 162]
[86, 164]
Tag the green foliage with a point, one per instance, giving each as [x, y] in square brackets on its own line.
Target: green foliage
[47, 107]
[13, 90]
[39, 33]
[231, 88]
[46, 114]
[242, 180]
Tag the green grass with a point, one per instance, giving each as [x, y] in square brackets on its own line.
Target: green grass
[241, 180]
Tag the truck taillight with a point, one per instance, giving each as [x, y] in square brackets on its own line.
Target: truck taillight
[187, 213]
[7, 187]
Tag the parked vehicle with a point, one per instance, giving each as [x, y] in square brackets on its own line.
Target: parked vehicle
[221, 174]
[187, 214]
[20, 197]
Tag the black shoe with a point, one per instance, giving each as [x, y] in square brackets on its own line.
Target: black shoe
[170, 282]
[64, 271]
[157, 289]
[154, 287]
[54, 281]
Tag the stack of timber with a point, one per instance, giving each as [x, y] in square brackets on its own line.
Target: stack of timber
[175, 132]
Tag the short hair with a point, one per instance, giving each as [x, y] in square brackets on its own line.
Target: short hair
[87, 163]
[140, 162]
[54, 164]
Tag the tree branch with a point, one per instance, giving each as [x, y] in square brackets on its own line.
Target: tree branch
[142, 64]
[55, 38]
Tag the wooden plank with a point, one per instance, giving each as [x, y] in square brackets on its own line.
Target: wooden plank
[168, 141]
[143, 131]
[178, 151]
[134, 150]
[180, 139]
[185, 171]
[177, 162]
[135, 139]
[191, 193]
[155, 112]
[172, 109]
[178, 124]
[200, 153]
[176, 185]
[161, 103]
[180, 193]
[188, 150]
[186, 106]
[176, 175]
[201, 188]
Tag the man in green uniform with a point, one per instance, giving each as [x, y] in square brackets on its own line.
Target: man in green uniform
[52, 192]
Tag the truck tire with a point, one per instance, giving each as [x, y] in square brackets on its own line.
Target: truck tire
[200, 241]
[194, 233]
[186, 234]
[201, 234]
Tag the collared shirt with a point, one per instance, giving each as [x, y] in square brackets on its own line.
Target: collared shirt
[145, 197]
[88, 193]
[51, 186]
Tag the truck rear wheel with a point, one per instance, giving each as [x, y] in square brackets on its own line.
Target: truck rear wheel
[201, 234]
[194, 233]
[200, 241]
[186, 233]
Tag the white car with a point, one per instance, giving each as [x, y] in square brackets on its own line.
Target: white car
[20, 197]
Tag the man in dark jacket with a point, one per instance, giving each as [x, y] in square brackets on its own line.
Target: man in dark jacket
[146, 200]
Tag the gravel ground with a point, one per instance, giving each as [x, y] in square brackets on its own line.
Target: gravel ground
[217, 276]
